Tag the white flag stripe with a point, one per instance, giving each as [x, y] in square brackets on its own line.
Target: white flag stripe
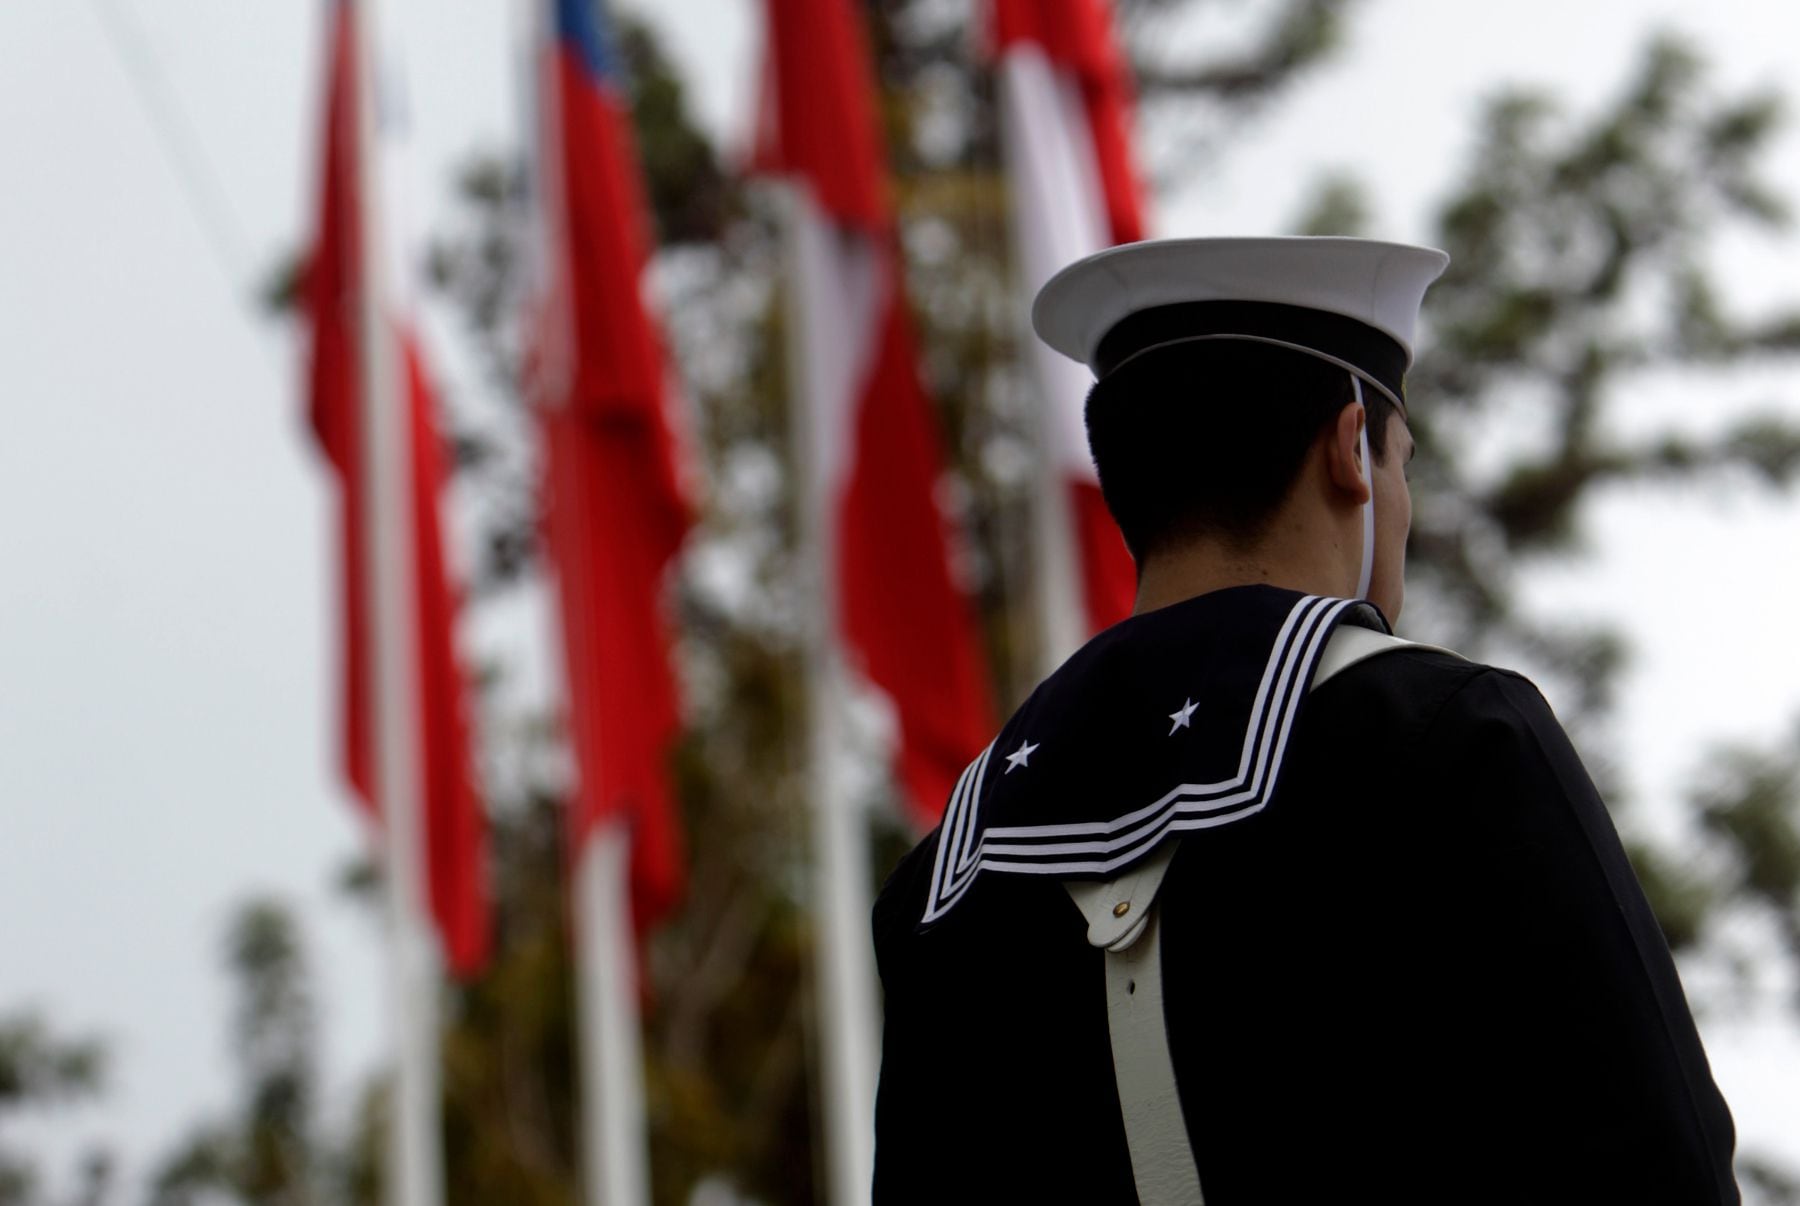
[1058, 213]
[1059, 216]
[839, 294]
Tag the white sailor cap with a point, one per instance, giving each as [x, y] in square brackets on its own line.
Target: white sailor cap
[1353, 302]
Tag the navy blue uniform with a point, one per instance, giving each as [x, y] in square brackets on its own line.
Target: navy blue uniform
[1409, 964]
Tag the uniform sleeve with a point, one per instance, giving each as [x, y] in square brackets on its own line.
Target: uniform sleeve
[1587, 1027]
[902, 1159]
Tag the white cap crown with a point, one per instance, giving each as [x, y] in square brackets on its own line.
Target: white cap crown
[1377, 284]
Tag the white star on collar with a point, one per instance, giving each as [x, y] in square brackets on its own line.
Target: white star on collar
[1182, 715]
[1021, 756]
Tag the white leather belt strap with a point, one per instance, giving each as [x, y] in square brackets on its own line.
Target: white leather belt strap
[1122, 921]
[1121, 917]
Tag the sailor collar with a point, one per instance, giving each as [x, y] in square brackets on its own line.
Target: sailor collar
[1167, 722]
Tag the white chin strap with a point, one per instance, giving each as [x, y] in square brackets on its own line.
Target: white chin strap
[1368, 546]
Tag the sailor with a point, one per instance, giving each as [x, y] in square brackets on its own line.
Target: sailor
[1251, 902]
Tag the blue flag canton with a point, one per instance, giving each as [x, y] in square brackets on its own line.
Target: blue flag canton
[583, 25]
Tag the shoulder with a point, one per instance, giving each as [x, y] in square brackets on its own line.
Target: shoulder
[1416, 669]
[1488, 759]
[1437, 687]
[1501, 710]
[1389, 703]
[1447, 725]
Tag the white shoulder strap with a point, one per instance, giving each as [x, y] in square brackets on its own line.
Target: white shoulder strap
[1121, 921]
[1350, 644]
[1121, 918]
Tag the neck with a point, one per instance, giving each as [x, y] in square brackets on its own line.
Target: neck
[1294, 558]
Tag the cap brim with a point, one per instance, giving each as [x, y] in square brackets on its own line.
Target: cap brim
[1376, 283]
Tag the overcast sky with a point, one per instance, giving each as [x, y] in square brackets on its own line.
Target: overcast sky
[165, 589]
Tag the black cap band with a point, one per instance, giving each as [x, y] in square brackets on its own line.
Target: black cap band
[1377, 354]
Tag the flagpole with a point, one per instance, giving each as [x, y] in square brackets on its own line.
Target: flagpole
[843, 959]
[615, 1147]
[414, 1166]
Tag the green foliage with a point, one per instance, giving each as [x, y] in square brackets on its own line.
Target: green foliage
[1748, 801]
[1579, 264]
[40, 1069]
[690, 198]
[1298, 35]
[1766, 1185]
[508, 1050]
[268, 1153]
[1338, 206]
[37, 1066]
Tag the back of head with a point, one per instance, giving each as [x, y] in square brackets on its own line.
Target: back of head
[1207, 439]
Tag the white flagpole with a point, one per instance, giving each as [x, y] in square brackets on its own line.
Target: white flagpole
[615, 1139]
[415, 1140]
[843, 959]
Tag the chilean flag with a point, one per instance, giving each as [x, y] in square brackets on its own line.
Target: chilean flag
[1065, 115]
[877, 446]
[615, 509]
[454, 831]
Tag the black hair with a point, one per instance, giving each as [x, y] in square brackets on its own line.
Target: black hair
[1207, 438]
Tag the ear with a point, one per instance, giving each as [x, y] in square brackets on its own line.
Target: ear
[1344, 454]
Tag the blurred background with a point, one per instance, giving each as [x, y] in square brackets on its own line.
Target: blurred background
[191, 993]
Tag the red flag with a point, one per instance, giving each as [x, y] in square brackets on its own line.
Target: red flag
[1065, 110]
[450, 811]
[615, 509]
[1076, 36]
[907, 626]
